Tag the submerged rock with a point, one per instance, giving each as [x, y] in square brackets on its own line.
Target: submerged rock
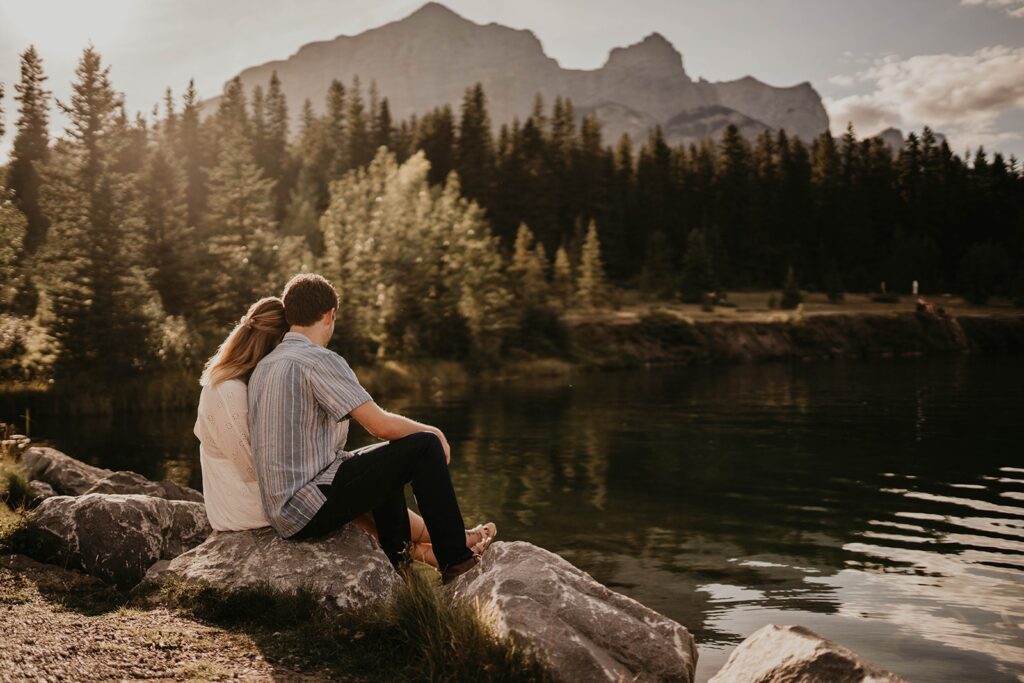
[118, 537]
[345, 569]
[581, 629]
[795, 654]
[72, 477]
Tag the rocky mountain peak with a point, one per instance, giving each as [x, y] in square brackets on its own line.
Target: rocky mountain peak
[652, 53]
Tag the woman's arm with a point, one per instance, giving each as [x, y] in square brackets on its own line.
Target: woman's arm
[388, 426]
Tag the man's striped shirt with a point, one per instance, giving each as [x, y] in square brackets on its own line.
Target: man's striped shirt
[298, 395]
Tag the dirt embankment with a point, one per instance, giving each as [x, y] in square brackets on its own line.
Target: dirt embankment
[664, 337]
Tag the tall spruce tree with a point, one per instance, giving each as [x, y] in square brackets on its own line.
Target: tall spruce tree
[31, 147]
[698, 274]
[591, 288]
[474, 148]
[105, 317]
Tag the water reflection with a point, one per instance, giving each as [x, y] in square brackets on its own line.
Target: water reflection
[878, 503]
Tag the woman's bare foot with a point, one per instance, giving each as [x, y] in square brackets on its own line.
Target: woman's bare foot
[480, 536]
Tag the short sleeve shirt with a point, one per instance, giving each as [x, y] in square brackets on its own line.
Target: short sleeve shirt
[299, 396]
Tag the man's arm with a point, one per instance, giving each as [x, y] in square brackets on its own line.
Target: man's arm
[387, 426]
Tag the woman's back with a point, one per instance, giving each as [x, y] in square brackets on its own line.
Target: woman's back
[230, 489]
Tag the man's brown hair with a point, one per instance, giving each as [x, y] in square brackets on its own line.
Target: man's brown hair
[306, 298]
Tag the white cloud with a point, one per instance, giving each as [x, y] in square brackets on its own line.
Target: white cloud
[1015, 8]
[962, 96]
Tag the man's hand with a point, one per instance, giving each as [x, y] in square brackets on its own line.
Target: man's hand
[388, 426]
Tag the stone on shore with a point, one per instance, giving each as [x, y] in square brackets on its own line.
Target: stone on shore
[70, 477]
[118, 537]
[795, 654]
[581, 629]
[38, 491]
[345, 569]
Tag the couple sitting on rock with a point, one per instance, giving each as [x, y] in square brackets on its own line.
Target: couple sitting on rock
[273, 420]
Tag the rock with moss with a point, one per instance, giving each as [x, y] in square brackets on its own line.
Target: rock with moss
[117, 538]
[346, 569]
[71, 477]
[795, 653]
[580, 629]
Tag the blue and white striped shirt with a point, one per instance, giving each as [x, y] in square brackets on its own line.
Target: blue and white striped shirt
[297, 396]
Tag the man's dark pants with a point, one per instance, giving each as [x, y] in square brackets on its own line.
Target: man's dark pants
[374, 479]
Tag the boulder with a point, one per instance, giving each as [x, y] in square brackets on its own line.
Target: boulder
[345, 569]
[795, 654]
[118, 537]
[72, 477]
[581, 629]
[38, 491]
[132, 482]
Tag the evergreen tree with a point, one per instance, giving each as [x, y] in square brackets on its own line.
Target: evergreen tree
[169, 247]
[657, 276]
[527, 269]
[358, 144]
[562, 282]
[698, 274]
[249, 257]
[13, 227]
[435, 135]
[474, 148]
[105, 317]
[30, 149]
[791, 295]
[189, 150]
[591, 288]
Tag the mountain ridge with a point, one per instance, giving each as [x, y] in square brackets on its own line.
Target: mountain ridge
[429, 57]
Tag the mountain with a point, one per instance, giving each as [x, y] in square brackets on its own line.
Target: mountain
[430, 57]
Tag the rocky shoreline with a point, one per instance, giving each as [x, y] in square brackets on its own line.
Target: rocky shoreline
[665, 337]
[119, 531]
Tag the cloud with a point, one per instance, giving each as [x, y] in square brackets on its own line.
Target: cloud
[1015, 8]
[961, 95]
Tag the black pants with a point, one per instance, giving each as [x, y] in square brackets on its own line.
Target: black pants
[375, 478]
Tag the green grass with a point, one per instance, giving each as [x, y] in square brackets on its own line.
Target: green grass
[422, 634]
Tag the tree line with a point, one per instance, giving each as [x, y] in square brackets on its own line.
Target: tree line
[131, 243]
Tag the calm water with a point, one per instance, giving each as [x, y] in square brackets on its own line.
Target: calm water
[881, 504]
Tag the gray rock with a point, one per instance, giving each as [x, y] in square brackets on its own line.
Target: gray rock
[345, 569]
[795, 654]
[72, 477]
[38, 491]
[132, 482]
[69, 477]
[581, 629]
[118, 537]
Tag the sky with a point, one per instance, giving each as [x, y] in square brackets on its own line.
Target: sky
[956, 65]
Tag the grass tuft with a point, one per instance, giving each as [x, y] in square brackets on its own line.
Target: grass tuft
[421, 634]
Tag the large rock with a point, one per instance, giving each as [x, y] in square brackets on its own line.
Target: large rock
[118, 537]
[345, 569]
[72, 477]
[581, 629]
[795, 654]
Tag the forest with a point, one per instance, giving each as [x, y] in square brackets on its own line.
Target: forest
[132, 244]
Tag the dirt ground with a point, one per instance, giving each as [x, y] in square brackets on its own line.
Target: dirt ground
[55, 625]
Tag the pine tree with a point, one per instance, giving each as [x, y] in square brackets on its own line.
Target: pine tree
[189, 151]
[105, 317]
[591, 288]
[474, 148]
[169, 249]
[657, 275]
[527, 270]
[698, 275]
[359, 147]
[435, 135]
[250, 258]
[30, 150]
[562, 284]
[791, 295]
[13, 227]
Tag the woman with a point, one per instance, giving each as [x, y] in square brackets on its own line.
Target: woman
[230, 489]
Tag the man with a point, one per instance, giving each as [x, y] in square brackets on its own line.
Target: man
[297, 395]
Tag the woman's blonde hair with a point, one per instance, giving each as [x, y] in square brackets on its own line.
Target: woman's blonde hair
[255, 335]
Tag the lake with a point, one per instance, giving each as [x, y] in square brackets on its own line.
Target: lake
[879, 503]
